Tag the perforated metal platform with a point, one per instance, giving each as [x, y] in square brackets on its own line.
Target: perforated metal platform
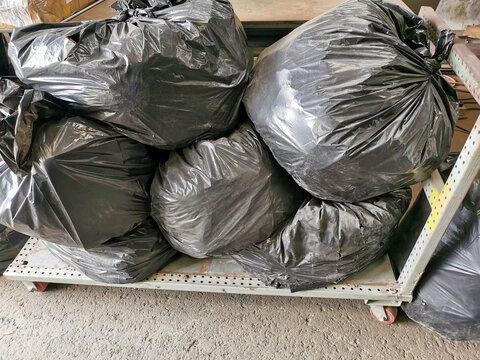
[221, 275]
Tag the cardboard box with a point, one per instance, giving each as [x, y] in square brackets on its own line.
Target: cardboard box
[55, 10]
[25, 12]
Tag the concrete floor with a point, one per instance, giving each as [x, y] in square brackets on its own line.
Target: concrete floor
[78, 322]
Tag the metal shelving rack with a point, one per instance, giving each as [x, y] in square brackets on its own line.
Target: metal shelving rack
[377, 285]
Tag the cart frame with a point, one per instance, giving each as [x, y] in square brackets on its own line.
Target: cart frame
[377, 285]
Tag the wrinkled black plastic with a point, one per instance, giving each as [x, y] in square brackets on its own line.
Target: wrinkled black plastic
[11, 243]
[164, 75]
[352, 103]
[86, 185]
[127, 259]
[326, 241]
[22, 111]
[446, 300]
[121, 5]
[218, 197]
[5, 67]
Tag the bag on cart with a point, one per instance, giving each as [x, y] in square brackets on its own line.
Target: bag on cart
[446, 300]
[11, 243]
[352, 103]
[165, 75]
[218, 197]
[22, 111]
[82, 185]
[326, 242]
[126, 259]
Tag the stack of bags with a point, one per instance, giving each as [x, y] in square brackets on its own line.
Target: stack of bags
[353, 107]
[118, 120]
[88, 119]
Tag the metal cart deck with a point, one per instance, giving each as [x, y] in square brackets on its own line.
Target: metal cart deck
[35, 263]
[376, 285]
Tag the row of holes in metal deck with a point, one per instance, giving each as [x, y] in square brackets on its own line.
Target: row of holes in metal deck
[210, 280]
[26, 248]
[257, 283]
[164, 277]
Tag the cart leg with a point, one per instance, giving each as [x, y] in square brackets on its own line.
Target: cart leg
[384, 314]
[30, 286]
[35, 286]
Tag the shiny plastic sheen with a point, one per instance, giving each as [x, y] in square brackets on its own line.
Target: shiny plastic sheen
[446, 300]
[326, 241]
[86, 185]
[126, 259]
[22, 111]
[352, 103]
[218, 197]
[165, 75]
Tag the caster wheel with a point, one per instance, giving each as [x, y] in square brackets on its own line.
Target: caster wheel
[41, 286]
[391, 315]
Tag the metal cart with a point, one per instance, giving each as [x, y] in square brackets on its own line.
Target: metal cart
[377, 285]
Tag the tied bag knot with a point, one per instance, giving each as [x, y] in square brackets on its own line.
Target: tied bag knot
[442, 51]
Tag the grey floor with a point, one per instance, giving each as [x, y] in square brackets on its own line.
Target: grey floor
[78, 322]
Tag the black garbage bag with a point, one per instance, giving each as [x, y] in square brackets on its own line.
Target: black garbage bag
[326, 241]
[126, 259]
[11, 243]
[446, 300]
[352, 103]
[218, 197]
[86, 184]
[22, 111]
[165, 75]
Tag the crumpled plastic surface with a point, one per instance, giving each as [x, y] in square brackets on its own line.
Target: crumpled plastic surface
[446, 300]
[164, 76]
[352, 103]
[11, 243]
[326, 241]
[126, 259]
[86, 184]
[218, 197]
[14, 13]
[22, 111]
